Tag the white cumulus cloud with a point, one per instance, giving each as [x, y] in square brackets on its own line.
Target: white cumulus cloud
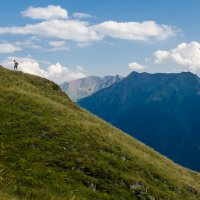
[59, 73]
[58, 46]
[160, 56]
[135, 30]
[186, 55]
[57, 25]
[8, 48]
[26, 64]
[61, 29]
[82, 15]
[49, 12]
[55, 72]
[135, 66]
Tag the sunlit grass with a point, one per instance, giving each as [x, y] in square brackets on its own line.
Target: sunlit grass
[52, 149]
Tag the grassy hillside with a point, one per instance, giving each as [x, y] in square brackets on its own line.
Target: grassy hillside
[52, 149]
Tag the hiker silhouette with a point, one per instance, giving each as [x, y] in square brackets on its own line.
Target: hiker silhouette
[16, 65]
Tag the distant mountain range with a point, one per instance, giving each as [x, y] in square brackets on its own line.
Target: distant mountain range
[161, 110]
[84, 87]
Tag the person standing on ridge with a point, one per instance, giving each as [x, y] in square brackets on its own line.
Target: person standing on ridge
[16, 65]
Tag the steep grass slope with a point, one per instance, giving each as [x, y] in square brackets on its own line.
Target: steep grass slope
[52, 149]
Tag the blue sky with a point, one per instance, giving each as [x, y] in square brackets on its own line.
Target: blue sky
[101, 38]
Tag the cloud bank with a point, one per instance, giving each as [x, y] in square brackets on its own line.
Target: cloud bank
[186, 55]
[8, 48]
[49, 12]
[55, 72]
[56, 24]
[82, 15]
[135, 66]
[134, 30]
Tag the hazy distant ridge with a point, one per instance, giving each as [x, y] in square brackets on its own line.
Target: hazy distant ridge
[84, 87]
